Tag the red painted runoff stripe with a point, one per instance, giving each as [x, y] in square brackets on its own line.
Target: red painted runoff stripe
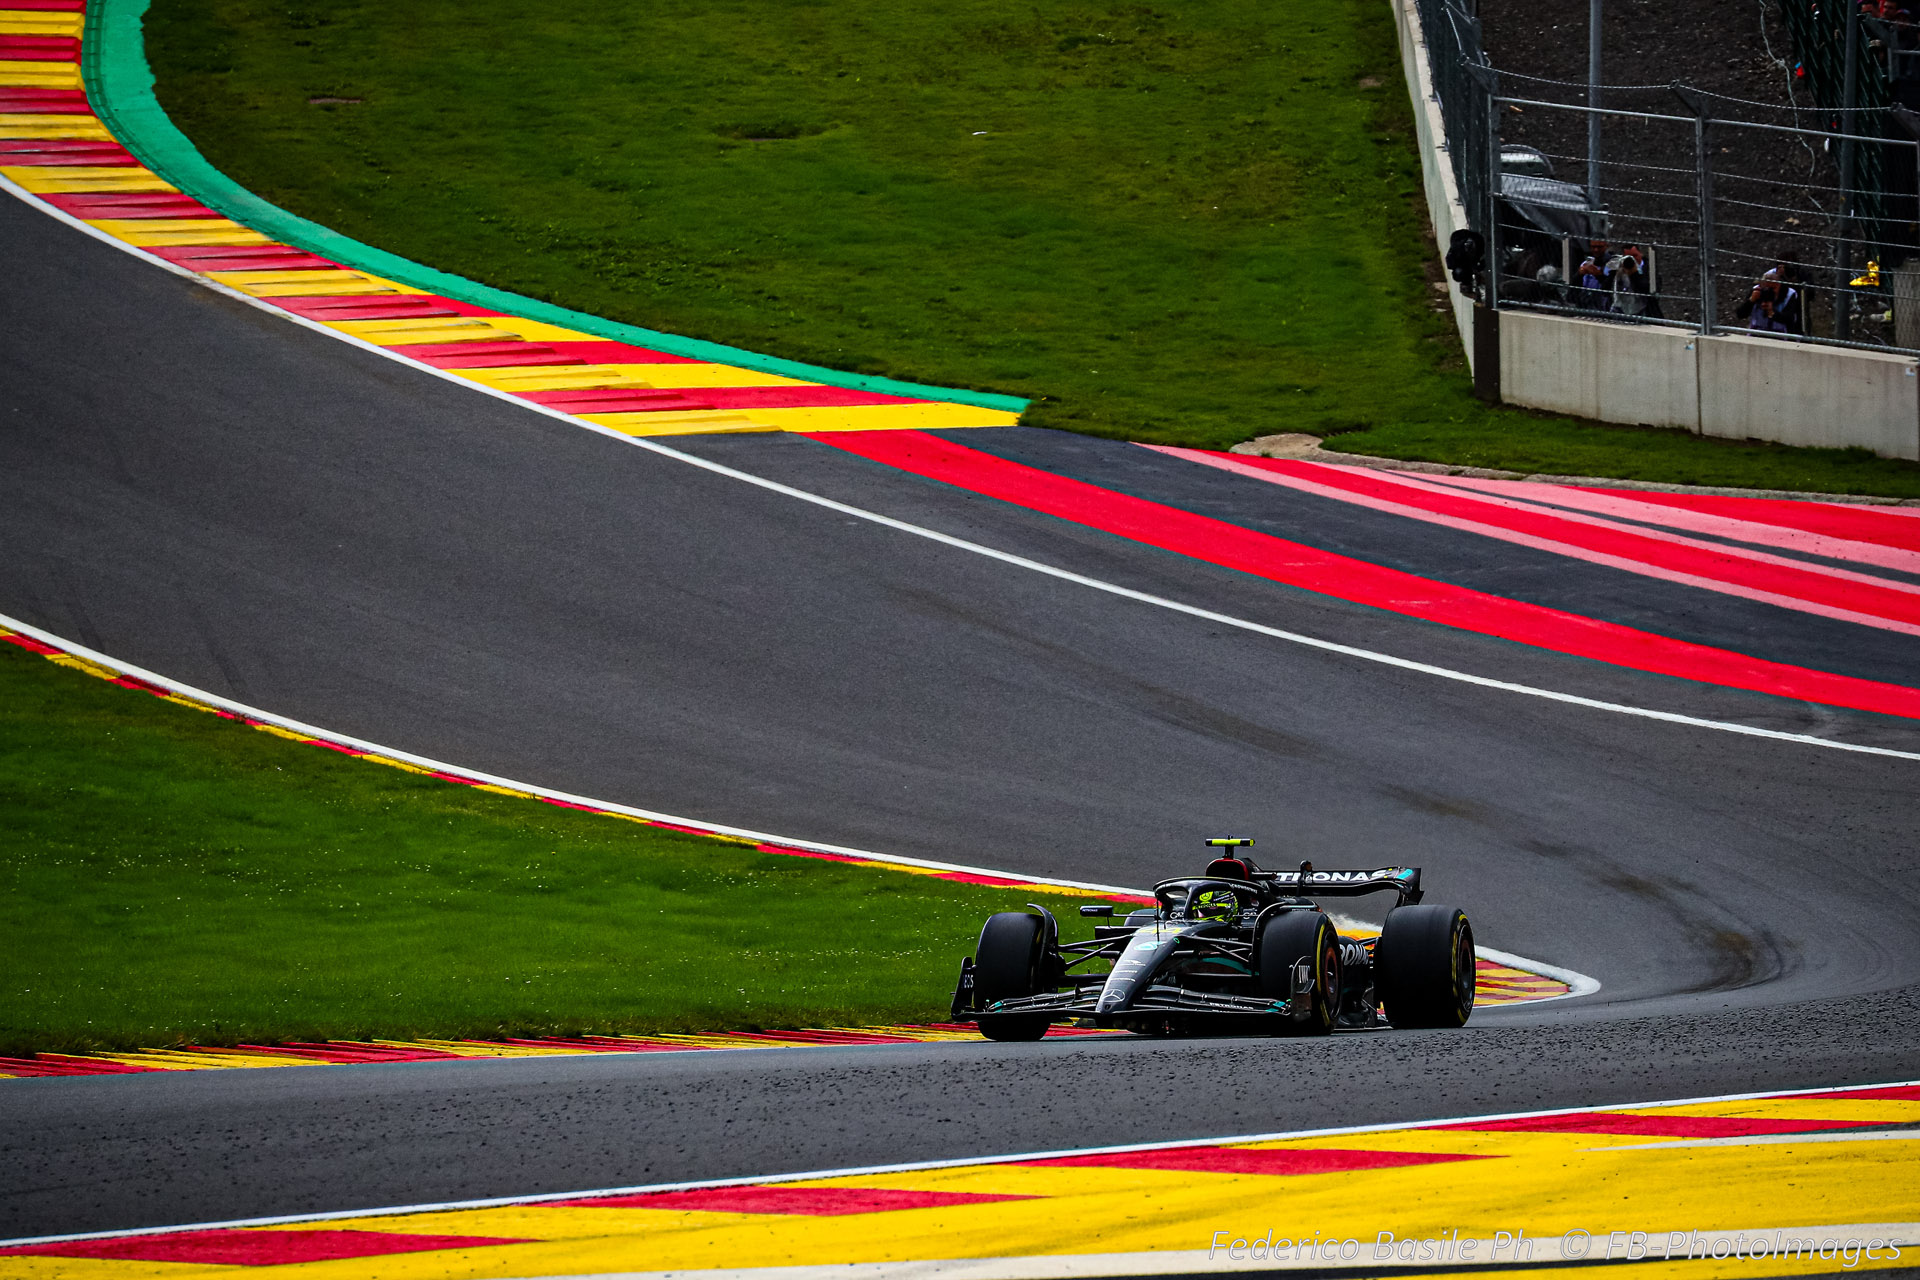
[63, 151]
[1343, 577]
[1272, 1163]
[1890, 526]
[1615, 506]
[39, 48]
[598, 352]
[241, 1247]
[1756, 574]
[811, 1201]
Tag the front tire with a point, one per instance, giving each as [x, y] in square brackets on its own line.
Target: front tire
[1006, 966]
[1424, 967]
[1289, 938]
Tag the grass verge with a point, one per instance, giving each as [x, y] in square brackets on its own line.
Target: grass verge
[169, 876]
[1188, 225]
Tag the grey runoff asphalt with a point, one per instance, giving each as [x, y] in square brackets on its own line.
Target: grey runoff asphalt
[313, 529]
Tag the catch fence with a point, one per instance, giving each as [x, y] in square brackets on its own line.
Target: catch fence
[1698, 195]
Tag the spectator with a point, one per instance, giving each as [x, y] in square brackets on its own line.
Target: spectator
[1630, 296]
[1591, 284]
[1789, 308]
[1774, 305]
[1764, 316]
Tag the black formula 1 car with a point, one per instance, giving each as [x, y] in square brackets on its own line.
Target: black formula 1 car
[1235, 950]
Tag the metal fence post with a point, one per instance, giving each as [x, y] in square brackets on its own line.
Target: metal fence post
[1703, 194]
[1849, 97]
[1487, 89]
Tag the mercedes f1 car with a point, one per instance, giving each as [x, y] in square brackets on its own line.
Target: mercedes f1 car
[1237, 949]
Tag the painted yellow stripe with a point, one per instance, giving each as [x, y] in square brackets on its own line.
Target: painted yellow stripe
[83, 179]
[538, 331]
[40, 22]
[86, 127]
[930, 416]
[271, 283]
[1547, 1187]
[705, 375]
[560, 378]
[39, 75]
[472, 1049]
[691, 423]
[168, 232]
[40, 123]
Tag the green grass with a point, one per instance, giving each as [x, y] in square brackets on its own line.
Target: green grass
[1192, 224]
[170, 876]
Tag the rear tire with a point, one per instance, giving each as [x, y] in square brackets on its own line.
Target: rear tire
[1424, 967]
[1006, 965]
[1289, 938]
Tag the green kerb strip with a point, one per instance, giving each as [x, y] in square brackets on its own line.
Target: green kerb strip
[120, 83]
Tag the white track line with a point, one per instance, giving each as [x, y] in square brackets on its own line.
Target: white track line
[1579, 984]
[922, 1165]
[548, 793]
[974, 548]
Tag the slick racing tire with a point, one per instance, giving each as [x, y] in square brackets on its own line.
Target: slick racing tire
[1289, 938]
[1423, 967]
[1006, 965]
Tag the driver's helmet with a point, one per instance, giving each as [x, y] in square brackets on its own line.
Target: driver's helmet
[1216, 903]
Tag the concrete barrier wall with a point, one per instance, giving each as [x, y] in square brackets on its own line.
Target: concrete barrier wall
[1729, 385]
[1444, 210]
[1609, 372]
[1760, 389]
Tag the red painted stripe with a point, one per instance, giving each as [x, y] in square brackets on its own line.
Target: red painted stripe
[1748, 531]
[63, 151]
[359, 307]
[974, 877]
[43, 102]
[130, 207]
[50, 6]
[809, 1201]
[1749, 571]
[1343, 577]
[28, 642]
[793, 853]
[598, 352]
[39, 48]
[1658, 1126]
[45, 1065]
[615, 400]
[242, 257]
[1292, 1163]
[241, 1247]
[524, 356]
[91, 1066]
[1889, 526]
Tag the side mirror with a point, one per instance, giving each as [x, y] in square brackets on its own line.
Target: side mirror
[1103, 910]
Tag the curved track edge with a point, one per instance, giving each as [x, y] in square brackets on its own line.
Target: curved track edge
[1575, 983]
[114, 59]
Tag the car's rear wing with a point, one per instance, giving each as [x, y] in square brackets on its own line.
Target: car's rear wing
[1308, 882]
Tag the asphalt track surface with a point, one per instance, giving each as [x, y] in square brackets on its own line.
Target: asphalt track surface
[208, 491]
